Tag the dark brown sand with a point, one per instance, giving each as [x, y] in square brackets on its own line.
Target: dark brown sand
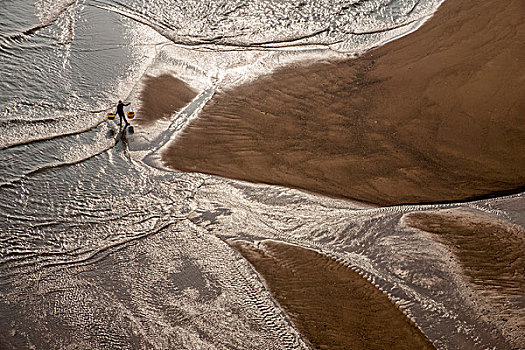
[330, 304]
[438, 115]
[491, 253]
[161, 97]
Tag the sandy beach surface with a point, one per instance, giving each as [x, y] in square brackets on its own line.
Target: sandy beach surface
[251, 207]
[330, 304]
[434, 116]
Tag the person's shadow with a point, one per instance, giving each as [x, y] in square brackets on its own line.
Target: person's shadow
[121, 134]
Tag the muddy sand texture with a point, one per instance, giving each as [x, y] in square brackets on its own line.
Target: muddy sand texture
[331, 305]
[161, 97]
[438, 115]
[491, 252]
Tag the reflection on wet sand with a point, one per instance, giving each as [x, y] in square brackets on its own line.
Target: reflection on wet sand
[331, 305]
[491, 254]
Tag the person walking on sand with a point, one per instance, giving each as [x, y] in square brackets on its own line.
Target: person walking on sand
[120, 112]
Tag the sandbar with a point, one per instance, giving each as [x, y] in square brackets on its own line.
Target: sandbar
[435, 116]
[330, 304]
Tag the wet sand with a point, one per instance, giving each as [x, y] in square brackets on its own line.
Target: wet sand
[434, 116]
[330, 304]
[161, 97]
[490, 252]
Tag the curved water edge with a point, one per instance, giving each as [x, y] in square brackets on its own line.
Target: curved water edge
[262, 23]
